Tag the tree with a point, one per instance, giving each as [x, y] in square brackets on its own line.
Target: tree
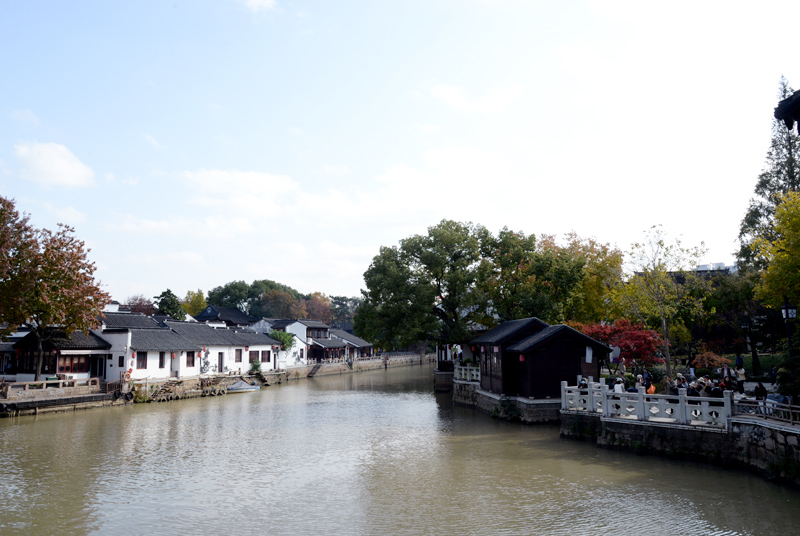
[780, 281]
[660, 291]
[194, 303]
[397, 310]
[46, 281]
[138, 303]
[344, 309]
[602, 272]
[781, 174]
[169, 304]
[18, 249]
[277, 303]
[520, 278]
[286, 339]
[638, 345]
[234, 294]
[318, 307]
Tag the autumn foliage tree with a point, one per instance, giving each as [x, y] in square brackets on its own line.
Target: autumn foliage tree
[46, 280]
[638, 345]
[138, 303]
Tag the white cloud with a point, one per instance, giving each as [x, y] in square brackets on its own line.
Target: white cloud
[336, 171]
[68, 215]
[496, 101]
[258, 5]
[152, 141]
[52, 164]
[25, 116]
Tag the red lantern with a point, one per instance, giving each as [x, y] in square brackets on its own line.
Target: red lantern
[246, 348]
[173, 355]
[133, 355]
[521, 358]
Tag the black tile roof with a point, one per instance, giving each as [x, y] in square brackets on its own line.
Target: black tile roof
[250, 338]
[314, 324]
[281, 323]
[59, 340]
[229, 315]
[497, 334]
[129, 320]
[349, 337]
[199, 333]
[329, 343]
[551, 331]
[160, 340]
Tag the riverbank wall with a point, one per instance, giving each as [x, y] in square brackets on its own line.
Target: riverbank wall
[765, 447]
[59, 400]
[524, 410]
[329, 369]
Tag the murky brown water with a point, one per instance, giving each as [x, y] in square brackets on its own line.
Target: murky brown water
[370, 454]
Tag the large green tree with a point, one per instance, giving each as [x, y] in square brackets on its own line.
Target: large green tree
[781, 174]
[425, 288]
[519, 278]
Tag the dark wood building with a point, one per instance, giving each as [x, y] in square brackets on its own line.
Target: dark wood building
[530, 358]
[490, 347]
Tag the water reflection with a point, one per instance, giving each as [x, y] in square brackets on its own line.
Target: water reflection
[369, 453]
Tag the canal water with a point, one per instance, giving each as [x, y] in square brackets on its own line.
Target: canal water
[377, 453]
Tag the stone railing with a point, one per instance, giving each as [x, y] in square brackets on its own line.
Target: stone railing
[639, 406]
[467, 373]
[51, 388]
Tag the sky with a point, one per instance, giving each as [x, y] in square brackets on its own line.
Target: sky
[194, 143]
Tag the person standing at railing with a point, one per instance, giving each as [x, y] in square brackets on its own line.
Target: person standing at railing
[740, 379]
[619, 386]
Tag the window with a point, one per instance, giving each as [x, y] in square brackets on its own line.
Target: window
[121, 361]
[141, 360]
[190, 359]
[253, 356]
[265, 356]
[77, 363]
[238, 358]
[162, 359]
[301, 353]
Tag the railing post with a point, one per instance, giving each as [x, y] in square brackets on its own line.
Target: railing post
[727, 397]
[682, 409]
[590, 403]
[641, 412]
[564, 395]
[605, 403]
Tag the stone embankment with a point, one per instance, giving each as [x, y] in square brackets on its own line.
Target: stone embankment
[524, 410]
[766, 447]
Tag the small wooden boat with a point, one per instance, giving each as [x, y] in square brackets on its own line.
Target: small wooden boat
[242, 387]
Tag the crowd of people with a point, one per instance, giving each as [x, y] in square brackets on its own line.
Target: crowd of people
[731, 379]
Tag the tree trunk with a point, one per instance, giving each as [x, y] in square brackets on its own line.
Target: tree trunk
[754, 353]
[667, 358]
[39, 356]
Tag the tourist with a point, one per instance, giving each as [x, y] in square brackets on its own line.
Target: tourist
[740, 378]
[693, 389]
[727, 372]
[646, 375]
[739, 361]
[639, 381]
[774, 375]
[760, 391]
[619, 386]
